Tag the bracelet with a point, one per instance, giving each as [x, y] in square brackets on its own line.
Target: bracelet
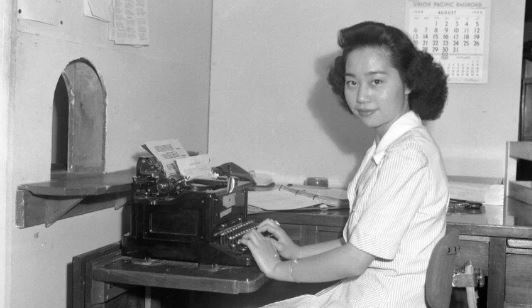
[291, 265]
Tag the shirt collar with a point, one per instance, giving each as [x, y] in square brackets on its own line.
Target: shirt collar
[405, 123]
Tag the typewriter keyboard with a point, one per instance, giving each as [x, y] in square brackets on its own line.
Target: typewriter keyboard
[229, 236]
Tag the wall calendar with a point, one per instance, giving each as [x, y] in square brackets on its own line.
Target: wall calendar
[455, 33]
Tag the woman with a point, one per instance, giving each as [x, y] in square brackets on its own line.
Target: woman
[399, 196]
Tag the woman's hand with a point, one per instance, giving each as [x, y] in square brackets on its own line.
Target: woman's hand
[281, 241]
[263, 250]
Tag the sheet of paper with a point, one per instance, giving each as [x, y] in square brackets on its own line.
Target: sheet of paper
[45, 11]
[479, 192]
[99, 9]
[198, 166]
[166, 151]
[278, 200]
[130, 22]
[338, 193]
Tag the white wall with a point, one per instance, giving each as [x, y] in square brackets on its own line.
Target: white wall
[271, 108]
[5, 56]
[160, 91]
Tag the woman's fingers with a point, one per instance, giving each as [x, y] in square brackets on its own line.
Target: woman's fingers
[271, 226]
[269, 222]
[251, 236]
[263, 249]
[276, 244]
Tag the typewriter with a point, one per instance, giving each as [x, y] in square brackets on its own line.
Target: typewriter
[187, 220]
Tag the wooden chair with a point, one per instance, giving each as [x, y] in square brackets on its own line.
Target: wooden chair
[442, 274]
[469, 278]
[438, 284]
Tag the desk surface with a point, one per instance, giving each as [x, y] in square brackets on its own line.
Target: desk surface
[515, 222]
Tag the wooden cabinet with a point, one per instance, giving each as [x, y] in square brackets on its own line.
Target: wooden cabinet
[518, 212]
[518, 194]
[518, 279]
[502, 252]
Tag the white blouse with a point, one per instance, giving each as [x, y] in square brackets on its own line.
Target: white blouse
[398, 201]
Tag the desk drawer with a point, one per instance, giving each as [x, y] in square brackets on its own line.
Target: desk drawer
[308, 234]
[518, 279]
[519, 243]
[475, 249]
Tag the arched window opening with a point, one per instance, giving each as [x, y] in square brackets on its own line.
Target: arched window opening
[78, 125]
[60, 127]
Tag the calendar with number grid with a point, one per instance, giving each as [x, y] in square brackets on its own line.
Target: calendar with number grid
[455, 33]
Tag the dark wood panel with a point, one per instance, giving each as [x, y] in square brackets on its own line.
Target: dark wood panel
[295, 232]
[310, 234]
[333, 218]
[328, 233]
[476, 251]
[519, 279]
[89, 293]
[496, 272]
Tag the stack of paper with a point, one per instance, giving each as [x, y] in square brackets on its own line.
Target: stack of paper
[282, 198]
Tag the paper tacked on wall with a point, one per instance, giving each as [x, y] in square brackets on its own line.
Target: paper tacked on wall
[45, 11]
[99, 9]
[130, 23]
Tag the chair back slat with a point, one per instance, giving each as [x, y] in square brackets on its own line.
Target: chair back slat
[438, 284]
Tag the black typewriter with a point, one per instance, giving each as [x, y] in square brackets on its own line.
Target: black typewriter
[187, 220]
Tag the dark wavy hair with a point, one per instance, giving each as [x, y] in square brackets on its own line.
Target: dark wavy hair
[425, 78]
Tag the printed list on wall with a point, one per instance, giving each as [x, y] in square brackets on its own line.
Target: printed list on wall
[130, 23]
[455, 33]
[128, 19]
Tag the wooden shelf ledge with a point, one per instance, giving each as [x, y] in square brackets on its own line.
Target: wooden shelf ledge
[68, 195]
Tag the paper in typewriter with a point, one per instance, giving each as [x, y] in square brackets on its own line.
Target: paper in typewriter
[195, 167]
[166, 151]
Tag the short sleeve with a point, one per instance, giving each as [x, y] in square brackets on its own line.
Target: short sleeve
[392, 201]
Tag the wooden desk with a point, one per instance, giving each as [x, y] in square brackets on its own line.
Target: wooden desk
[502, 251]
[104, 278]
[493, 240]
